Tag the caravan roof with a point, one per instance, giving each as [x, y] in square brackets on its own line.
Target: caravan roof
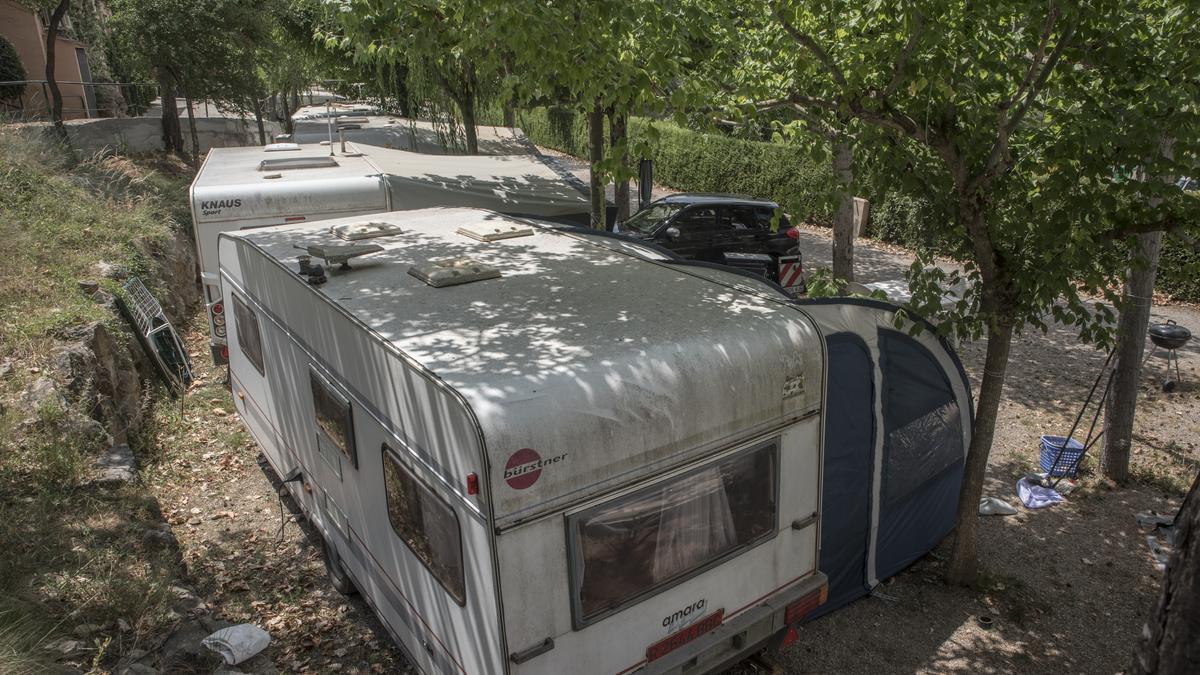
[402, 133]
[622, 362]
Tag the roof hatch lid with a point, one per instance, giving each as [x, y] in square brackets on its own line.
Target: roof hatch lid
[486, 231]
[296, 163]
[439, 273]
[364, 230]
[281, 147]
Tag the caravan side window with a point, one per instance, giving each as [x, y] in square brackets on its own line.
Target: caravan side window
[248, 337]
[426, 523]
[335, 420]
[651, 539]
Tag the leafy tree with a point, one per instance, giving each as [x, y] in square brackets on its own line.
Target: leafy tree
[1000, 112]
[11, 70]
[206, 49]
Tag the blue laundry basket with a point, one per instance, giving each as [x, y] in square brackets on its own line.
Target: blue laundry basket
[1067, 461]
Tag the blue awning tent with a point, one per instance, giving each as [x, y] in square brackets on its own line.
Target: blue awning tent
[898, 423]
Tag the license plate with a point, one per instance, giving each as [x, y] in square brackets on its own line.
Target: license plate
[701, 627]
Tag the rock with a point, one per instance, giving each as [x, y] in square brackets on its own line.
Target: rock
[137, 669]
[88, 286]
[159, 539]
[116, 466]
[65, 646]
[40, 393]
[187, 602]
[111, 270]
[182, 652]
[6, 367]
[85, 629]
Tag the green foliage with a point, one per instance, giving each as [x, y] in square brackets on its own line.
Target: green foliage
[10, 70]
[1179, 270]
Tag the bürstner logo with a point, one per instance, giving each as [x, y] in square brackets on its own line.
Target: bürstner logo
[525, 466]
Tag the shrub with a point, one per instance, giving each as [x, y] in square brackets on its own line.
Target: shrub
[1179, 270]
[11, 69]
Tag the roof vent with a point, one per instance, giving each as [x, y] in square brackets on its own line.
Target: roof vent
[453, 272]
[494, 231]
[296, 163]
[280, 147]
[364, 230]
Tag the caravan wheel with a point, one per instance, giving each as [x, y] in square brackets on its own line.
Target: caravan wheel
[337, 574]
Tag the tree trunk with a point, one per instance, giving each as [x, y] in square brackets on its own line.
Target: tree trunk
[466, 105]
[595, 156]
[288, 127]
[510, 115]
[187, 99]
[56, 102]
[172, 133]
[1170, 643]
[961, 568]
[843, 222]
[618, 128]
[1131, 331]
[258, 117]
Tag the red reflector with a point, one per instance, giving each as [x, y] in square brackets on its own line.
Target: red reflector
[793, 232]
[702, 627]
[472, 484]
[293, 219]
[791, 636]
[805, 606]
[218, 308]
[225, 352]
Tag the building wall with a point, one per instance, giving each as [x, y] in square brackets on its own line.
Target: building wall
[20, 26]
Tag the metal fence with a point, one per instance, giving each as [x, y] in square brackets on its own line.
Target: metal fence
[81, 100]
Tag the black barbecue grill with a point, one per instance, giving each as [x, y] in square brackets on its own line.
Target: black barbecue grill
[1170, 336]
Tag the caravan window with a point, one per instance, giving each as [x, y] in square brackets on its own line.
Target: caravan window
[248, 338]
[426, 523]
[335, 420]
[658, 536]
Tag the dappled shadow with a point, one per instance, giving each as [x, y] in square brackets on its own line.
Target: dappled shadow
[415, 136]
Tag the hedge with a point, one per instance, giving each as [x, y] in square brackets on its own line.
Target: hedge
[698, 162]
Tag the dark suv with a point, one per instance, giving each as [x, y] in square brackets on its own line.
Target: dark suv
[727, 229]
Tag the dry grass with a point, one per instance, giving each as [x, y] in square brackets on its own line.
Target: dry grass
[75, 575]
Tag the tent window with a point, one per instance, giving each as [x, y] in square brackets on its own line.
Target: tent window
[922, 423]
[427, 524]
[248, 337]
[335, 419]
[653, 538]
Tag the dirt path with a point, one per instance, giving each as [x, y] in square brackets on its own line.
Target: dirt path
[1068, 587]
[246, 555]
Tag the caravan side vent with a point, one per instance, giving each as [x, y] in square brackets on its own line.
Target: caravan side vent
[494, 232]
[364, 230]
[453, 272]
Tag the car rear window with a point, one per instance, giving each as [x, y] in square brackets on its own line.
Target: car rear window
[650, 539]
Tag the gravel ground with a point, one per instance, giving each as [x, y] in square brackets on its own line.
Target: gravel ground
[1068, 587]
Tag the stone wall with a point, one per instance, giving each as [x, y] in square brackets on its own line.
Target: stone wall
[144, 134]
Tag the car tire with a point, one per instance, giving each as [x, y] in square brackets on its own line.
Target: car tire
[338, 576]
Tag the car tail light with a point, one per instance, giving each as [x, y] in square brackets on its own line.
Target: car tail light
[791, 636]
[793, 232]
[801, 608]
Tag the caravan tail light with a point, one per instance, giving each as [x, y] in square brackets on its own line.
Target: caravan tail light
[793, 232]
[218, 318]
[225, 352]
[218, 308]
[472, 484]
[801, 608]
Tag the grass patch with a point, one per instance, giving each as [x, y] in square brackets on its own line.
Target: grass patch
[80, 584]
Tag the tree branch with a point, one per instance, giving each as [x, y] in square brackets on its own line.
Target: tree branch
[902, 60]
[811, 45]
[999, 159]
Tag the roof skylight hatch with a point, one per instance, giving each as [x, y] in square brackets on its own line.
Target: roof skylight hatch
[281, 147]
[364, 230]
[439, 273]
[494, 231]
[296, 163]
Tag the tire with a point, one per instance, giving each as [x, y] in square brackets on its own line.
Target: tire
[338, 577]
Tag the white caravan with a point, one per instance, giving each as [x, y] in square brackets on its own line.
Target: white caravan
[249, 187]
[533, 451]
